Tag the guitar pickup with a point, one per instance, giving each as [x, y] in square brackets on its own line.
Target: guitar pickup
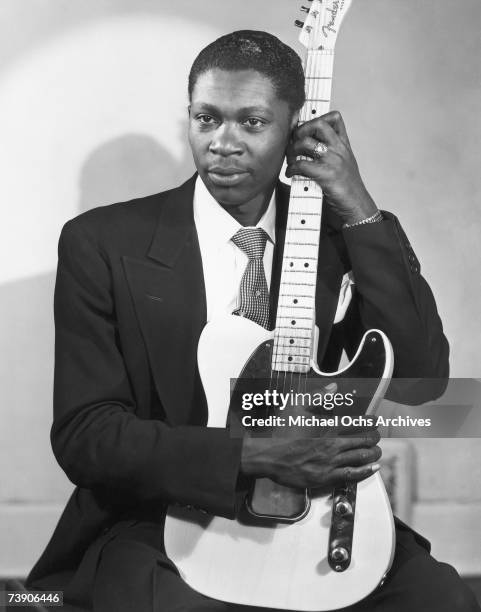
[342, 527]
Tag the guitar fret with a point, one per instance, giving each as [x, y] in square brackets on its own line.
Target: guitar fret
[302, 243]
[300, 271]
[307, 344]
[292, 327]
[283, 361]
[296, 307]
[297, 318]
[306, 197]
[301, 368]
[305, 214]
[303, 258]
[302, 229]
[299, 338]
[296, 295]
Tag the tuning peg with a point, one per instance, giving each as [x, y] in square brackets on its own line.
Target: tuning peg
[306, 9]
[298, 24]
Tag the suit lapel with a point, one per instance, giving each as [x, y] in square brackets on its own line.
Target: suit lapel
[169, 296]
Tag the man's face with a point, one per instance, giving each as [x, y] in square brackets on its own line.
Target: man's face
[238, 132]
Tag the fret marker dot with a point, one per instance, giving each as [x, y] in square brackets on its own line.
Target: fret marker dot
[293, 322]
[291, 264]
[303, 221]
[295, 301]
[314, 111]
[289, 359]
[306, 265]
[306, 188]
[291, 341]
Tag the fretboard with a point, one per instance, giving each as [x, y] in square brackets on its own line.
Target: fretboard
[295, 319]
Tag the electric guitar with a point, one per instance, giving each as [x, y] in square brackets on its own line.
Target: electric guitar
[290, 549]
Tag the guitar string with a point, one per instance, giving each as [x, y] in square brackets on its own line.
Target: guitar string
[314, 96]
[296, 180]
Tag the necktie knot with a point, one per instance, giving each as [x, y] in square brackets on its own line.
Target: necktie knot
[251, 240]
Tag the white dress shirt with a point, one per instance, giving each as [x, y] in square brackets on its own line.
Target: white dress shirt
[223, 263]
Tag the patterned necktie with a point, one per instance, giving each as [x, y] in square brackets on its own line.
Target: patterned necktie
[254, 294]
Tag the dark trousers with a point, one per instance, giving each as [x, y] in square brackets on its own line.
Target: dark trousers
[131, 577]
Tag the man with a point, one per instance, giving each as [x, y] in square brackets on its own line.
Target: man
[136, 284]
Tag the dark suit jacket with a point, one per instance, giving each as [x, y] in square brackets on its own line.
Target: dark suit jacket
[128, 405]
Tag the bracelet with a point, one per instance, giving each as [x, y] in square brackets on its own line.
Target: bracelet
[377, 216]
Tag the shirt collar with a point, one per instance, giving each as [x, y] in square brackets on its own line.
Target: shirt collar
[208, 214]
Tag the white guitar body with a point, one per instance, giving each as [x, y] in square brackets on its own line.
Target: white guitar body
[284, 566]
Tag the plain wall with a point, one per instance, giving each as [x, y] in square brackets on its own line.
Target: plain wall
[93, 110]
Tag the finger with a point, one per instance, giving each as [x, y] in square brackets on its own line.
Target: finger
[319, 130]
[329, 388]
[369, 439]
[308, 168]
[335, 120]
[358, 458]
[356, 430]
[304, 146]
[354, 474]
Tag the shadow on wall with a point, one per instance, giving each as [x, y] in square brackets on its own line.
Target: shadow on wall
[126, 167]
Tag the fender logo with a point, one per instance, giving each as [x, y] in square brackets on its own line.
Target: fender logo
[329, 27]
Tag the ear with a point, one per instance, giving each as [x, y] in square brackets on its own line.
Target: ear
[294, 120]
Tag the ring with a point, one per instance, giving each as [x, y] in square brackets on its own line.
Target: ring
[319, 150]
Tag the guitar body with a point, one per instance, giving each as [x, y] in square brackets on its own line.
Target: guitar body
[278, 564]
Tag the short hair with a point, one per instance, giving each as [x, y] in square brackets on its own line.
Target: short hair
[255, 50]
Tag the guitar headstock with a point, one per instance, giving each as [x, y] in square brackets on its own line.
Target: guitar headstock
[322, 23]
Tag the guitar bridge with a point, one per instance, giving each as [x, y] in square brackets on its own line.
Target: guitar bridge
[342, 527]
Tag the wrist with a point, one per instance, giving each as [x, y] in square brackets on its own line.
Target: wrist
[362, 207]
[253, 459]
[375, 218]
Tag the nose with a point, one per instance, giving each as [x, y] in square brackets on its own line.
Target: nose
[226, 141]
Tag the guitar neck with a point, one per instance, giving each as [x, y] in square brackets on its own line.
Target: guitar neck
[295, 319]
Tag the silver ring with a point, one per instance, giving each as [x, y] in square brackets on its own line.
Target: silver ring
[319, 150]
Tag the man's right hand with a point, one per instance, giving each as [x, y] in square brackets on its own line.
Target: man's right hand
[312, 463]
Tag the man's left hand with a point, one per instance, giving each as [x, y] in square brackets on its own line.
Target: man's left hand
[335, 170]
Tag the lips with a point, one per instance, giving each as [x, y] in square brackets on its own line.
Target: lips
[226, 176]
[226, 170]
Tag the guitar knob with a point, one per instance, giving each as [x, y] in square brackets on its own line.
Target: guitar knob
[339, 554]
[343, 508]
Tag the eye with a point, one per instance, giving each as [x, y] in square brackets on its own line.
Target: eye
[254, 122]
[205, 119]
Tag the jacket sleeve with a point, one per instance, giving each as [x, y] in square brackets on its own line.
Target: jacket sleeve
[96, 436]
[391, 295]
